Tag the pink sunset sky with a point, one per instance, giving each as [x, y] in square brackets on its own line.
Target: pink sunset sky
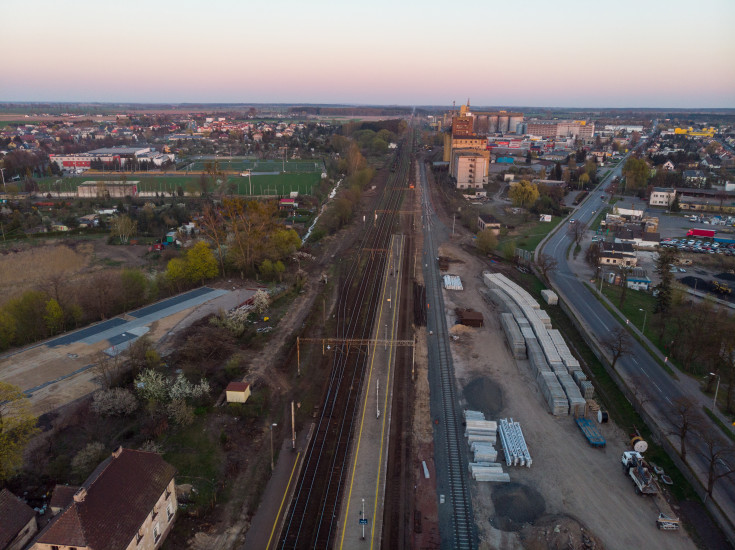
[569, 53]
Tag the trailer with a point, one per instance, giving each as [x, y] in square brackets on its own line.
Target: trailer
[725, 240]
[710, 233]
[667, 523]
[589, 430]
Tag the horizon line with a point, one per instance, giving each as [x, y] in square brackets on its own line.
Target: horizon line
[355, 105]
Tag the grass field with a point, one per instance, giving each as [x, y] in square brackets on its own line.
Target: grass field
[530, 235]
[240, 164]
[281, 184]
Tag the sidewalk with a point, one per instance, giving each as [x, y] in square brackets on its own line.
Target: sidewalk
[265, 527]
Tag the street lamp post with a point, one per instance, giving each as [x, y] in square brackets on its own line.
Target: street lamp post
[645, 316]
[717, 388]
[271, 427]
[2, 171]
[362, 515]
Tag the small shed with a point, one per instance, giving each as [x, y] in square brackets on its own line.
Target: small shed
[237, 392]
[469, 317]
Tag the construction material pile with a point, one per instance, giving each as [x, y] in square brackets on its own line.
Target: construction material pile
[514, 444]
[452, 282]
[481, 435]
[513, 334]
[546, 349]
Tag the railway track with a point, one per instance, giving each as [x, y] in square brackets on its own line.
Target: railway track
[440, 358]
[311, 520]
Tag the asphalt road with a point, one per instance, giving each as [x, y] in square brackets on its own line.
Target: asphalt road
[657, 384]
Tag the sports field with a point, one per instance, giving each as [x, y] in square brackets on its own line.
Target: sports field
[243, 164]
[279, 184]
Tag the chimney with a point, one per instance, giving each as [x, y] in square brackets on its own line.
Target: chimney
[117, 452]
[80, 495]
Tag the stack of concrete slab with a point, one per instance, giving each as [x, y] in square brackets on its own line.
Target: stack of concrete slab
[514, 444]
[544, 318]
[488, 472]
[480, 430]
[550, 297]
[452, 282]
[551, 360]
[473, 415]
[577, 403]
[516, 342]
[536, 357]
[553, 393]
[587, 389]
[578, 376]
[484, 452]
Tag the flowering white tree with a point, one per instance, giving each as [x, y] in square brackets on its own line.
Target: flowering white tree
[154, 386]
[261, 301]
[114, 402]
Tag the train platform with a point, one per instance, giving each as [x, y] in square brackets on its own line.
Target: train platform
[360, 524]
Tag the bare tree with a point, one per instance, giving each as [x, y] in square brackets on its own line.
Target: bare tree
[577, 232]
[546, 263]
[684, 419]
[593, 256]
[718, 455]
[625, 271]
[618, 343]
[108, 368]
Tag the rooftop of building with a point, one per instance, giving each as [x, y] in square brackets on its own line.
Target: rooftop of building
[112, 504]
[14, 514]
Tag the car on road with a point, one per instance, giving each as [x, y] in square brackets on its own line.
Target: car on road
[572, 220]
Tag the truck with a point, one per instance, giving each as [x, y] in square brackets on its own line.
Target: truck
[710, 233]
[725, 240]
[637, 469]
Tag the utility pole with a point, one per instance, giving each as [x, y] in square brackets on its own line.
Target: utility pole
[454, 217]
[272, 426]
[2, 171]
[377, 398]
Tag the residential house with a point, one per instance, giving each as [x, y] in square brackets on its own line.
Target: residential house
[17, 522]
[618, 254]
[668, 166]
[127, 503]
[485, 221]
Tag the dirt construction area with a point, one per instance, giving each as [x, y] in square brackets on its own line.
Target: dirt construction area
[574, 495]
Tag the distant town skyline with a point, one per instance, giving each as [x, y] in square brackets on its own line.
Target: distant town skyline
[656, 53]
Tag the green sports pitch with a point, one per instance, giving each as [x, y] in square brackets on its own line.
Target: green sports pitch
[242, 165]
[259, 185]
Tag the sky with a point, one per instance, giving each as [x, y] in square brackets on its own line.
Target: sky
[566, 53]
